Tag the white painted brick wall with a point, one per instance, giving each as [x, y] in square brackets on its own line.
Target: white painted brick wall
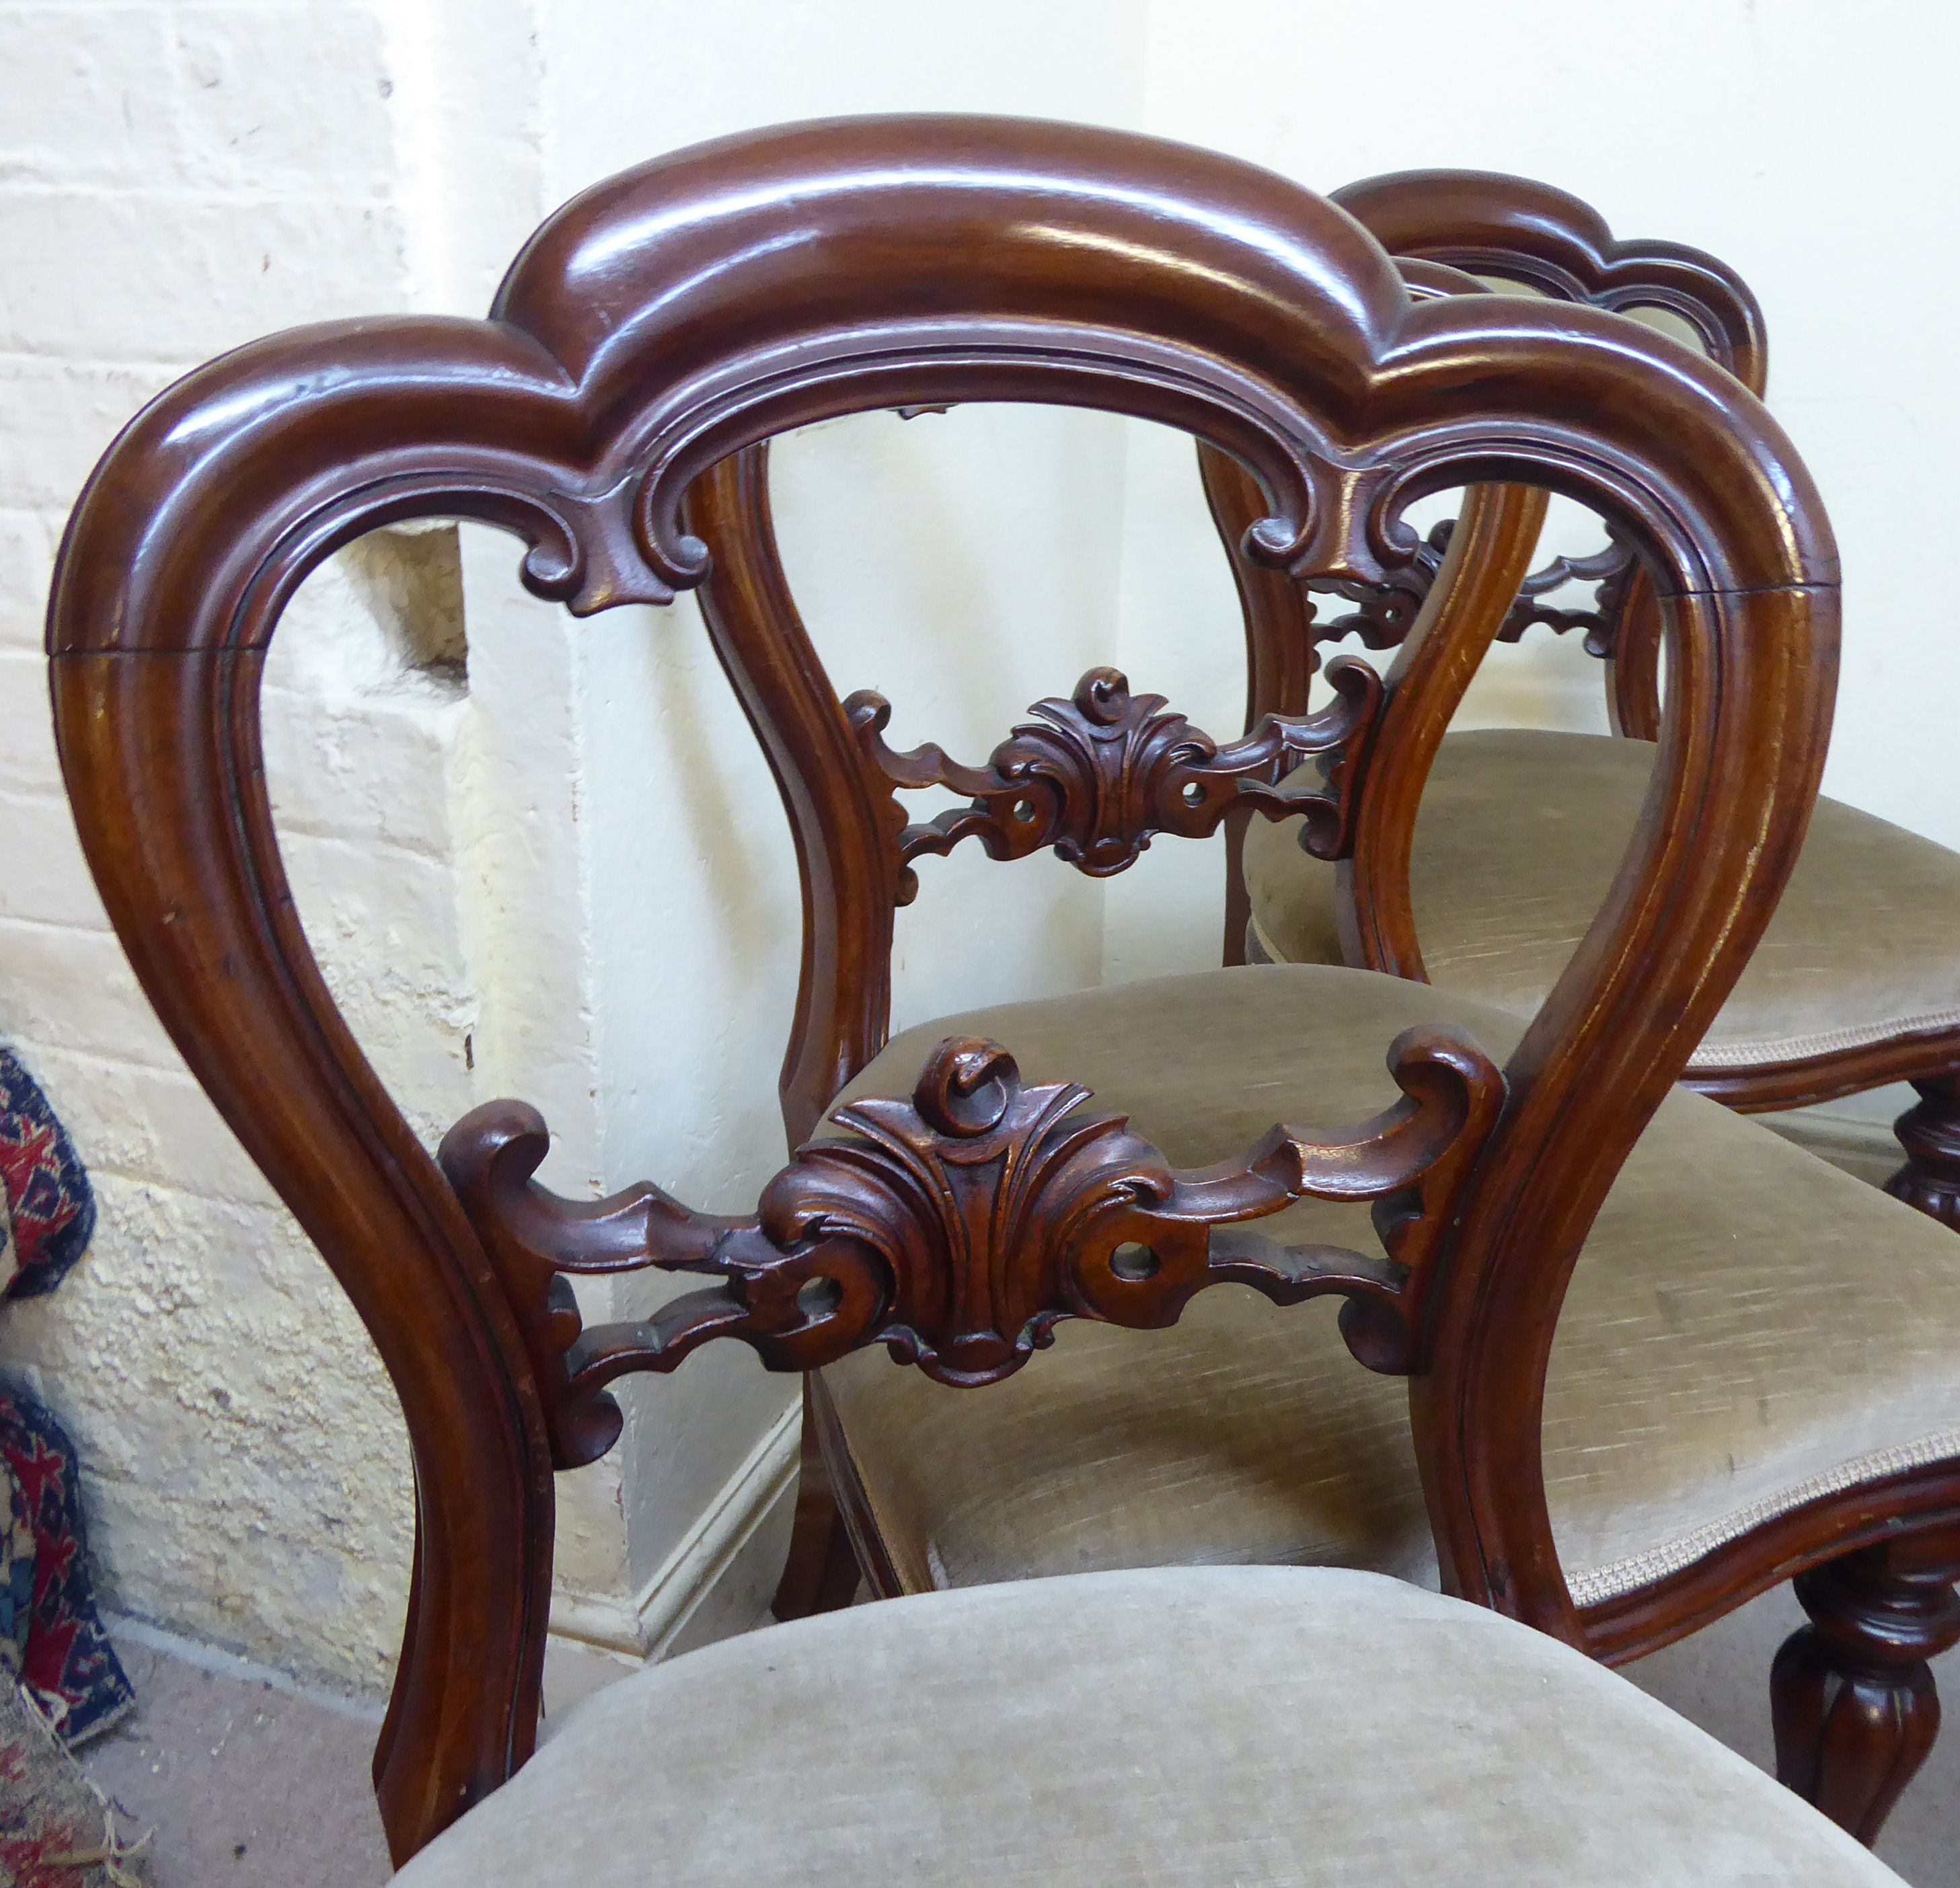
[166, 192]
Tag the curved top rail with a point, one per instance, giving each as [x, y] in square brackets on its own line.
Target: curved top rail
[702, 302]
[779, 231]
[1487, 223]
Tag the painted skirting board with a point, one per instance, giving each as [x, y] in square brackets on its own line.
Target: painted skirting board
[122, 1626]
[717, 1581]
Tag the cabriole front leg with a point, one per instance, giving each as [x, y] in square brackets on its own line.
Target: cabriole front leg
[1852, 1693]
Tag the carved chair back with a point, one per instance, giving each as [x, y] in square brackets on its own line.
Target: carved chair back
[668, 319]
[1515, 231]
[1095, 775]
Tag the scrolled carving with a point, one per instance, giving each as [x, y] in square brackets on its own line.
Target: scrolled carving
[1387, 611]
[1610, 571]
[1098, 775]
[958, 1226]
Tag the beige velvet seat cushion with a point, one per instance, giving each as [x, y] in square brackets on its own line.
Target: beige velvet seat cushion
[1747, 1327]
[1181, 1728]
[1519, 834]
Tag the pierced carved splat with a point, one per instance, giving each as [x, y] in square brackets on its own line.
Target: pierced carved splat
[1098, 775]
[959, 1225]
[1610, 572]
[1387, 611]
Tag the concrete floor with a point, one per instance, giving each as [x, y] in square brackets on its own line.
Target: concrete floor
[248, 1786]
[242, 1785]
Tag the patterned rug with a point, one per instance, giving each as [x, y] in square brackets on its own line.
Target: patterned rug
[50, 1211]
[57, 1830]
[51, 1640]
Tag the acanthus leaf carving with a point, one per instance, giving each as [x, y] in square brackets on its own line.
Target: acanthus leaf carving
[958, 1226]
[1098, 775]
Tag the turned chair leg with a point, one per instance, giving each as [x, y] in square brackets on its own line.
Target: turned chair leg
[1851, 1694]
[1930, 1132]
[821, 1573]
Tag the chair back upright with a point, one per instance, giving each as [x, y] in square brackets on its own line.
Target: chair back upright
[1445, 607]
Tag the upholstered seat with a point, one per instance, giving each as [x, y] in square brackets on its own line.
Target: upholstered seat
[1727, 1348]
[1519, 833]
[1208, 1727]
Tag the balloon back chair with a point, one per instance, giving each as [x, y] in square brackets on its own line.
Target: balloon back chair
[965, 1203]
[1857, 982]
[1683, 1458]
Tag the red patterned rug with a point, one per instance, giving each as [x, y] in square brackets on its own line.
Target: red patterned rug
[60, 1682]
[50, 1638]
[57, 1830]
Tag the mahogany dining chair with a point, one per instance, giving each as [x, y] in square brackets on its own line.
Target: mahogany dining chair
[961, 1206]
[1677, 1429]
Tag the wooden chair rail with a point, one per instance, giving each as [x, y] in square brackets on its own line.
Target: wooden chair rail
[1518, 230]
[1385, 611]
[1916, 1503]
[1769, 1088]
[1097, 776]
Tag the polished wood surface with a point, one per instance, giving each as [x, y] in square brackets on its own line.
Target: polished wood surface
[1097, 776]
[1855, 1708]
[1491, 547]
[676, 315]
[1512, 229]
[1280, 617]
[1281, 659]
[956, 1227]
[1517, 230]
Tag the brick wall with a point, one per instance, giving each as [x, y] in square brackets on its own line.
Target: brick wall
[161, 199]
